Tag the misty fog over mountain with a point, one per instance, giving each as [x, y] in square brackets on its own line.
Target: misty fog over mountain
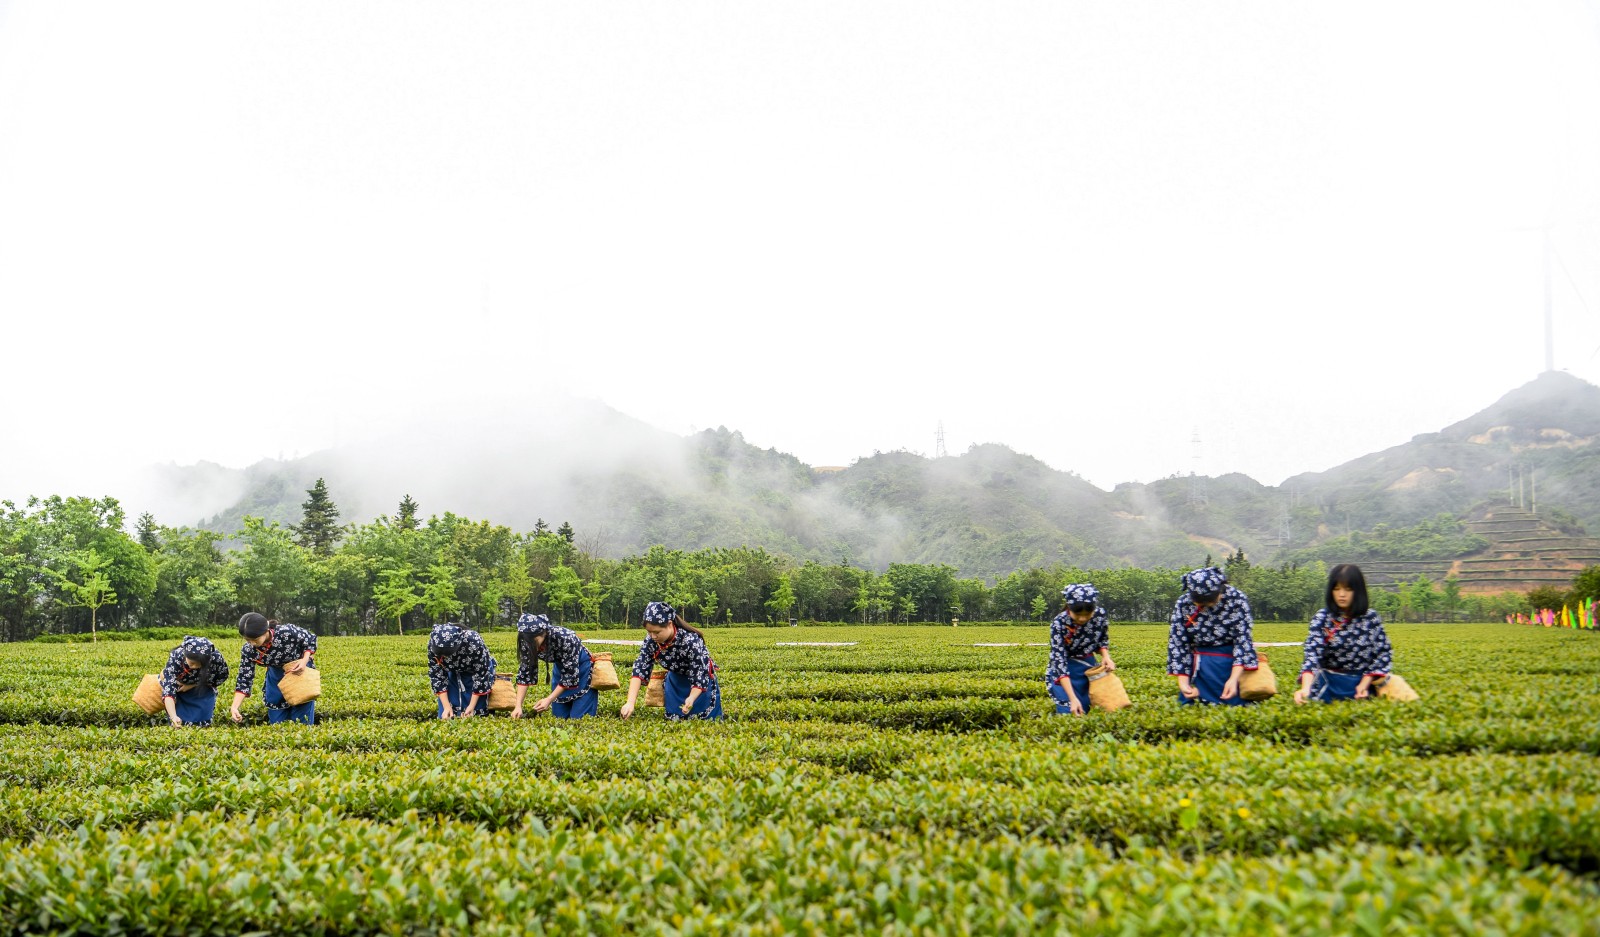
[624, 486]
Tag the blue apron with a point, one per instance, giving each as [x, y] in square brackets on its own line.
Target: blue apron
[1077, 672]
[582, 700]
[458, 689]
[675, 690]
[1330, 685]
[1213, 666]
[196, 707]
[280, 711]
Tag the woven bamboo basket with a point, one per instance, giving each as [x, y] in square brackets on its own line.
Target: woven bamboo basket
[655, 694]
[301, 686]
[1258, 684]
[1396, 688]
[604, 676]
[503, 694]
[1106, 690]
[148, 695]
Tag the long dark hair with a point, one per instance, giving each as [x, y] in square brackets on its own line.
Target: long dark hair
[254, 625]
[527, 648]
[1349, 576]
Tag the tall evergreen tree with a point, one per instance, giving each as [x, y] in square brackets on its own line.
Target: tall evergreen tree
[319, 526]
[566, 532]
[406, 516]
[539, 526]
[145, 532]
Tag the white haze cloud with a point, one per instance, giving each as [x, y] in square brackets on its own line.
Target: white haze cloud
[238, 231]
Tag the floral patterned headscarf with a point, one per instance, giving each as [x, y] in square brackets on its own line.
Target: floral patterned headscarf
[1081, 593]
[1204, 582]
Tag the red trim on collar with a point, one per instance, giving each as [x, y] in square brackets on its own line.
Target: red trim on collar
[261, 650]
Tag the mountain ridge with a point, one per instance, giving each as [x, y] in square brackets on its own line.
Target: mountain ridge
[625, 485]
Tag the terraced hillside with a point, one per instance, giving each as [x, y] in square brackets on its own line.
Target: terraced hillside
[1524, 553]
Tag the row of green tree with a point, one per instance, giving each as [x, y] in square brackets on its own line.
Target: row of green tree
[67, 565]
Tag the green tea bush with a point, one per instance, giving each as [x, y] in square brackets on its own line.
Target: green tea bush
[911, 784]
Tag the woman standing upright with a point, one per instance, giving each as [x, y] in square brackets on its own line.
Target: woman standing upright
[281, 649]
[690, 688]
[1209, 640]
[189, 682]
[461, 671]
[571, 667]
[1076, 635]
[1346, 648]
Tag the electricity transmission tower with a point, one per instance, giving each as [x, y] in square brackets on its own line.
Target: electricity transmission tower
[1197, 484]
[939, 451]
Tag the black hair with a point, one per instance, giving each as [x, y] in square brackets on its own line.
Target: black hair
[253, 625]
[1081, 606]
[526, 646]
[1349, 576]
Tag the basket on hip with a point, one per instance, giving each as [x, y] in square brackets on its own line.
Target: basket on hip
[655, 694]
[503, 692]
[148, 695]
[603, 676]
[1396, 688]
[1258, 684]
[300, 686]
[1106, 690]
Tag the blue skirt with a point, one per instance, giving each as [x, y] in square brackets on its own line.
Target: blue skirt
[458, 689]
[280, 711]
[1330, 685]
[1213, 666]
[1077, 672]
[196, 707]
[581, 700]
[675, 690]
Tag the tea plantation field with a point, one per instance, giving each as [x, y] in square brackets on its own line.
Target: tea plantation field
[910, 784]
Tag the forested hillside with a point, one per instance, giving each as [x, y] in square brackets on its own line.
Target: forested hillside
[986, 512]
[594, 514]
[1537, 443]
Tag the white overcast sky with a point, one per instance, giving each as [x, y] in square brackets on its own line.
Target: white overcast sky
[1085, 230]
